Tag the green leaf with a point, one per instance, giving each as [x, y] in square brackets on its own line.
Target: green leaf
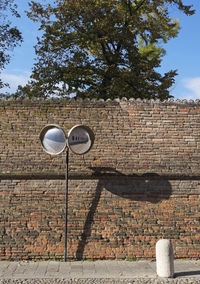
[103, 48]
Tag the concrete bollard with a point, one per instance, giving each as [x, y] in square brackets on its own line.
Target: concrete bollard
[164, 259]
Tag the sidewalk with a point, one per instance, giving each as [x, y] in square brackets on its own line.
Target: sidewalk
[95, 272]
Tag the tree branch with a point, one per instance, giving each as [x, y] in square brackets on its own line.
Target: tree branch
[105, 54]
[139, 5]
[129, 7]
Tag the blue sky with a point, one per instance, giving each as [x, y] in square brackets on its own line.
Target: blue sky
[182, 53]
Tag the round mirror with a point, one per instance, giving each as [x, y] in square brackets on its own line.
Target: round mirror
[53, 139]
[80, 139]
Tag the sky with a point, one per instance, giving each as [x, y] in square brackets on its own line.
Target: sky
[182, 53]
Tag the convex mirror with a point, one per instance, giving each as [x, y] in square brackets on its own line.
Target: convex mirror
[53, 139]
[80, 139]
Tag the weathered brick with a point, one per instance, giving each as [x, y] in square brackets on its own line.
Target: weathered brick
[139, 183]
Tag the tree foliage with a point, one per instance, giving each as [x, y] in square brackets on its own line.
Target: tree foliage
[10, 36]
[103, 48]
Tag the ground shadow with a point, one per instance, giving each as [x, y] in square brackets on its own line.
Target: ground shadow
[187, 273]
[147, 187]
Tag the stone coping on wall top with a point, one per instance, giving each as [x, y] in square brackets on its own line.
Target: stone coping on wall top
[87, 175]
[116, 101]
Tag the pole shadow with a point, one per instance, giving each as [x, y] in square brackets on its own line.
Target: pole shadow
[147, 187]
[88, 222]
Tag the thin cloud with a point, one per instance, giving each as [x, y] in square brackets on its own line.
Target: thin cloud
[14, 80]
[193, 86]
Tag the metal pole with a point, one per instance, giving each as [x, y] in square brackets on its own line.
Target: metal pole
[66, 202]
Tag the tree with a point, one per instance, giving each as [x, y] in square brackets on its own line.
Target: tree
[10, 36]
[103, 48]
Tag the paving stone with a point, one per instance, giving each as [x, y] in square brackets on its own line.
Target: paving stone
[140, 268]
[53, 266]
[76, 269]
[10, 270]
[3, 267]
[64, 269]
[31, 269]
[52, 270]
[41, 270]
[89, 269]
[101, 269]
[186, 269]
[114, 268]
[95, 272]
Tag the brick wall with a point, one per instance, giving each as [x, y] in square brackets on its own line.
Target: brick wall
[139, 183]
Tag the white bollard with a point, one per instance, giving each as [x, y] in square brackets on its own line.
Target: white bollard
[164, 259]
